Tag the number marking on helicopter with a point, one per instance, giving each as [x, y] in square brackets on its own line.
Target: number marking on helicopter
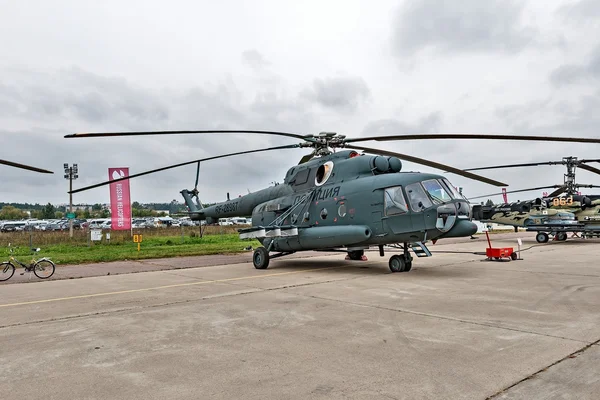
[226, 208]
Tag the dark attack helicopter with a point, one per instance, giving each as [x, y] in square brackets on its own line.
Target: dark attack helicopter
[24, 166]
[344, 200]
[554, 214]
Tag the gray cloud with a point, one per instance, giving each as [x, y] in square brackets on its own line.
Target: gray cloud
[461, 26]
[435, 150]
[427, 124]
[107, 104]
[344, 94]
[554, 116]
[578, 73]
[254, 59]
[583, 10]
[82, 95]
[179, 75]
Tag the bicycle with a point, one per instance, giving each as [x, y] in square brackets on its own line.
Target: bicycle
[43, 267]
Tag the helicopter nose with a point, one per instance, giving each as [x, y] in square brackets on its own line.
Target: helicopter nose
[462, 228]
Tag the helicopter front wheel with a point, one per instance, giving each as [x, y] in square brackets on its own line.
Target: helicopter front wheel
[260, 258]
[398, 263]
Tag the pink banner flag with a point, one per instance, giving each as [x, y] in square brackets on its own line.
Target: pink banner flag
[120, 202]
[504, 195]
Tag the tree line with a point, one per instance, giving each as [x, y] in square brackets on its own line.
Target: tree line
[18, 211]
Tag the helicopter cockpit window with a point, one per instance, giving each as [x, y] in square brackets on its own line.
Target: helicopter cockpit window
[323, 173]
[436, 191]
[450, 188]
[394, 201]
[301, 177]
[417, 197]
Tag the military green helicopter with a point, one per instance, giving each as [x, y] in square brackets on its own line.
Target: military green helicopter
[553, 214]
[344, 200]
[24, 166]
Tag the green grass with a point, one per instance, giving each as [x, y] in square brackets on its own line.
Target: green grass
[161, 244]
[156, 243]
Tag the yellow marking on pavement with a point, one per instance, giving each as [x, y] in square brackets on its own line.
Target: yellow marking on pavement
[85, 296]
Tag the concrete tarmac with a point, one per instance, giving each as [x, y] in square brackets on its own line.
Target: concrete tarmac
[455, 327]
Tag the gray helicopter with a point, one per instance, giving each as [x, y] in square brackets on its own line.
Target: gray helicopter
[345, 200]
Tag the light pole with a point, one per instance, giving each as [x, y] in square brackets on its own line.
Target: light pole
[70, 174]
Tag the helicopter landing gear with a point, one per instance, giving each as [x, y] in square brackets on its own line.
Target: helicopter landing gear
[542, 237]
[401, 263]
[356, 255]
[260, 258]
[561, 236]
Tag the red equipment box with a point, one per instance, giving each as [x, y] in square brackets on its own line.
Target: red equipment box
[499, 252]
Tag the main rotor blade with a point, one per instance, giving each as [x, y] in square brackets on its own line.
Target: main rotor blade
[430, 164]
[114, 134]
[422, 136]
[558, 191]
[23, 166]
[514, 165]
[591, 169]
[589, 160]
[289, 146]
[587, 186]
[517, 191]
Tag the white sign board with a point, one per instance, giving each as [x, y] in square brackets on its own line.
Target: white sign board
[96, 234]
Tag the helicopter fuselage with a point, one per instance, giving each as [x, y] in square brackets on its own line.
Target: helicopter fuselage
[550, 210]
[348, 200]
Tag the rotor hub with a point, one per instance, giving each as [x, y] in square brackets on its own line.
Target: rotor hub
[324, 142]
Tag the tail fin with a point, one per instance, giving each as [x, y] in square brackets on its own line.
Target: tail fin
[195, 208]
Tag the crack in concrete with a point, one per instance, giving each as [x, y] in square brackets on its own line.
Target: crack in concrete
[574, 354]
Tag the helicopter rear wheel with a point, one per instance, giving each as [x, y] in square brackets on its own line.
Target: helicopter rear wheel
[260, 258]
[356, 254]
[398, 264]
[561, 236]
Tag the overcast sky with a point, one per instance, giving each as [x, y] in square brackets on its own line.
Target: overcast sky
[354, 67]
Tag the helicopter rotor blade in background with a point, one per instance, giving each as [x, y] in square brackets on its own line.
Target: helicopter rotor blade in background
[425, 136]
[518, 191]
[589, 168]
[289, 146]
[430, 164]
[514, 165]
[115, 134]
[27, 167]
[579, 186]
[534, 164]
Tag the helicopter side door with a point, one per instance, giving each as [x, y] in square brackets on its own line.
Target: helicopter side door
[396, 216]
[419, 203]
